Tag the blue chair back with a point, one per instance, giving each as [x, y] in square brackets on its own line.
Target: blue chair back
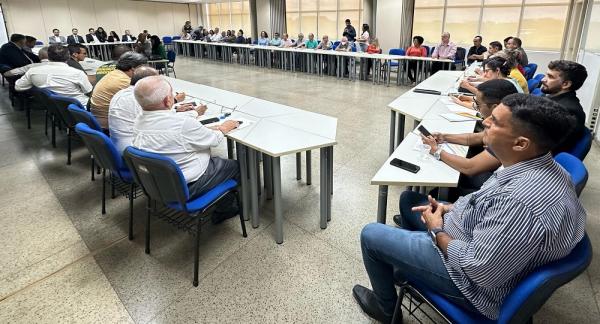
[167, 40]
[171, 55]
[39, 43]
[159, 176]
[539, 77]
[427, 50]
[582, 148]
[532, 84]
[537, 92]
[176, 37]
[530, 70]
[104, 151]
[397, 51]
[575, 168]
[84, 116]
[461, 53]
[432, 50]
[61, 103]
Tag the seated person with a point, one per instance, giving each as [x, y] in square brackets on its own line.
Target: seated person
[12, 54]
[416, 50]
[276, 41]
[512, 57]
[240, 39]
[494, 48]
[344, 46]
[494, 68]
[56, 38]
[286, 41]
[525, 216]
[110, 66]
[311, 43]
[325, 44]
[29, 45]
[78, 53]
[114, 81]
[263, 40]
[74, 38]
[43, 55]
[57, 76]
[372, 48]
[128, 37]
[188, 142]
[124, 109]
[444, 50]
[562, 79]
[113, 37]
[476, 51]
[299, 42]
[515, 43]
[91, 36]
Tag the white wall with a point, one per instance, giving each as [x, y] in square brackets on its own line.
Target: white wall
[388, 23]
[38, 17]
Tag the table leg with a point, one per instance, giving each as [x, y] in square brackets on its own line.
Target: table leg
[308, 168]
[392, 131]
[298, 166]
[268, 175]
[277, 200]
[324, 190]
[400, 130]
[382, 204]
[242, 155]
[253, 187]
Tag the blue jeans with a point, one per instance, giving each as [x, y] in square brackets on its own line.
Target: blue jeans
[393, 255]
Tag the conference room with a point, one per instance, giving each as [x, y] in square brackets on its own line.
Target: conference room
[299, 161]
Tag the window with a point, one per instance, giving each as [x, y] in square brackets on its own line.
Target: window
[539, 23]
[322, 17]
[229, 15]
[593, 41]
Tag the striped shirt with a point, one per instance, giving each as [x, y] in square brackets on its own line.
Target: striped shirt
[524, 216]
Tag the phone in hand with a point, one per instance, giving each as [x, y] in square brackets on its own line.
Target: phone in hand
[424, 131]
[405, 165]
[193, 103]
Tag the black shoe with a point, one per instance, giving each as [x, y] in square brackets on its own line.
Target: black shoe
[398, 220]
[367, 302]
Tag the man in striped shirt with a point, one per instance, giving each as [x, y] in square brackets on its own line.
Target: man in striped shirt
[526, 215]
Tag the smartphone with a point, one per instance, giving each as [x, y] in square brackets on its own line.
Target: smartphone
[424, 131]
[193, 103]
[209, 121]
[405, 165]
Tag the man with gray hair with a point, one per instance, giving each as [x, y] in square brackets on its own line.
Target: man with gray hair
[444, 50]
[124, 109]
[57, 76]
[181, 137]
[114, 81]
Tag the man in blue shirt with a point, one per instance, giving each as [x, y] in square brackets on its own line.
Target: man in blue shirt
[477, 250]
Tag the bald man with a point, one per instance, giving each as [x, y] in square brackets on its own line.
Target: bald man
[181, 137]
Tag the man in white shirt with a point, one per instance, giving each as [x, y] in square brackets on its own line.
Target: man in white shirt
[56, 38]
[43, 55]
[217, 36]
[91, 37]
[181, 137]
[57, 76]
[124, 109]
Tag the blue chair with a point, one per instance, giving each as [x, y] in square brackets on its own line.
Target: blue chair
[39, 43]
[162, 181]
[582, 148]
[575, 168]
[427, 50]
[176, 37]
[530, 70]
[396, 51]
[108, 158]
[171, 56]
[537, 92]
[41, 97]
[539, 77]
[522, 302]
[86, 117]
[60, 105]
[432, 50]
[459, 58]
[532, 84]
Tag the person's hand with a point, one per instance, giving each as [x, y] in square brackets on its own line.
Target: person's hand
[464, 103]
[433, 218]
[434, 207]
[228, 126]
[478, 70]
[180, 96]
[431, 141]
[201, 109]
[465, 83]
[439, 137]
[184, 107]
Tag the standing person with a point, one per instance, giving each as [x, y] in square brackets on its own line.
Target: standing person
[74, 38]
[113, 37]
[363, 40]
[349, 31]
[417, 50]
[101, 34]
[187, 28]
[476, 51]
[444, 50]
[56, 38]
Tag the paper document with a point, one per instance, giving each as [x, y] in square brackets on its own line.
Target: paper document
[456, 149]
[457, 118]
[243, 122]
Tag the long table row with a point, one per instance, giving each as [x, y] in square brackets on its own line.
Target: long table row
[320, 62]
[271, 130]
[426, 110]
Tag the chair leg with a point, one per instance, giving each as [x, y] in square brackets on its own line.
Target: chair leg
[93, 167]
[53, 131]
[69, 132]
[103, 191]
[241, 208]
[197, 254]
[131, 189]
[148, 212]
[397, 318]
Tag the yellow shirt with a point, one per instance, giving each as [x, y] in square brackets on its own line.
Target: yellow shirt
[516, 74]
[104, 90]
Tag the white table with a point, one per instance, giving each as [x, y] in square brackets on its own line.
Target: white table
[426, 109]
[102, 50]
[276, 130]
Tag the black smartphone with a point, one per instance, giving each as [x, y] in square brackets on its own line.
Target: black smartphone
[427, 91]
[405, 165]
[209, 121]
[424, 131]
[193, 103]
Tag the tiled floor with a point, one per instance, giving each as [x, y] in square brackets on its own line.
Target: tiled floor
[62, 261]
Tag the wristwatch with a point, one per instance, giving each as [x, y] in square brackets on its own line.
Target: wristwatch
[433, 233]
[438, 153]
